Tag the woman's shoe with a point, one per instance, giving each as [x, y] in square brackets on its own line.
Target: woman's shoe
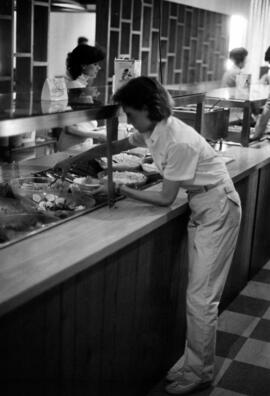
[175, 370]
[183, 386]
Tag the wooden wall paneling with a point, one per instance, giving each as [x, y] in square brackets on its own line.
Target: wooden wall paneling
[115, 8]
[173, 10]
[193, 51]
[5, 85]
[239, 272]
[217, 65]
[179, 46]
[199, 70]
[164, 49]
[68, 330]
[143, 319]
[181, 27]
[52, 337]
[154, 53]
[218, 36]
[24, 74]
[6, 46]
[88, 328]
[186, 53]
[135, 46]
[126, 12]
[165, 19]
[181, 13]
[137, 15]
[194, 25]
[205, 51]
[191, 74]
[109, 324]
[125, 49]
[24, 26]
[156, 15]
[113, 50]
[145, 60]
[261, 238]
[41, 24]
[177, 77]
[39, 76]
[146, 26]
[104, 39]
[125, 304]
[6, 37]
[178, 290]
[187, 26]
[163, 70]
[170, 70]
[204, 73]
[172, 36]
[199, 54]
[6, 7]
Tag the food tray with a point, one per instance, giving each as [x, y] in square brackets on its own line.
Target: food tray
[127, 178]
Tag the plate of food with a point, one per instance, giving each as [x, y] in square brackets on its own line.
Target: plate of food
[122, 161]
[127, 178]
[87, 185]
[41, 194]
[149, 166]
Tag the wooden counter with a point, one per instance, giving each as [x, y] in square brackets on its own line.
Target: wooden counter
[99, 300]
[34, 265]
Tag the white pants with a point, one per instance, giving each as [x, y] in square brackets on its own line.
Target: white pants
[212, 231]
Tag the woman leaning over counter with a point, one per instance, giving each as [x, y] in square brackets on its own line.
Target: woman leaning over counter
[186, 160]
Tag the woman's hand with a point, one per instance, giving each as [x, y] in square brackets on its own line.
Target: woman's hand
[104, 188]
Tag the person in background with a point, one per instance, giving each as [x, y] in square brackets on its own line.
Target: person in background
[82, 67]
[238, 57]
[187, 161]
[82, 40]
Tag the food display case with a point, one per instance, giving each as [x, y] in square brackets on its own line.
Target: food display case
[21, 218]
[249, 100]
[33, 199]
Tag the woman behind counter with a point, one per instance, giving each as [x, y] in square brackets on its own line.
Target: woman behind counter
[238, 57]
[186, 160]
[82, 67]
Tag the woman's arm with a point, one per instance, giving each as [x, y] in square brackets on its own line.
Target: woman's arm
[165, 197]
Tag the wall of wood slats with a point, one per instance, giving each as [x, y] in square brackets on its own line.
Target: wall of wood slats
[180, 43]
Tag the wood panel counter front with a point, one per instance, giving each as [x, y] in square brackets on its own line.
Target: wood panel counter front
[34, 265]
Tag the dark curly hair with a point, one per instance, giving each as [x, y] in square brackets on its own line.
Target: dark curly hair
[83, 55]
[238, 55]
[141, 92]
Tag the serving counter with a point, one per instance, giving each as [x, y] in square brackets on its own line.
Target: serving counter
[96, 304]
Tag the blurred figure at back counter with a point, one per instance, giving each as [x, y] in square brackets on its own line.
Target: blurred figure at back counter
[238, 58]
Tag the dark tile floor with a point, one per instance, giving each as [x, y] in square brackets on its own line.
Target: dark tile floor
[243, 344]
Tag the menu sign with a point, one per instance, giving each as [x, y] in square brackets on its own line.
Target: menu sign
[124, 70]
